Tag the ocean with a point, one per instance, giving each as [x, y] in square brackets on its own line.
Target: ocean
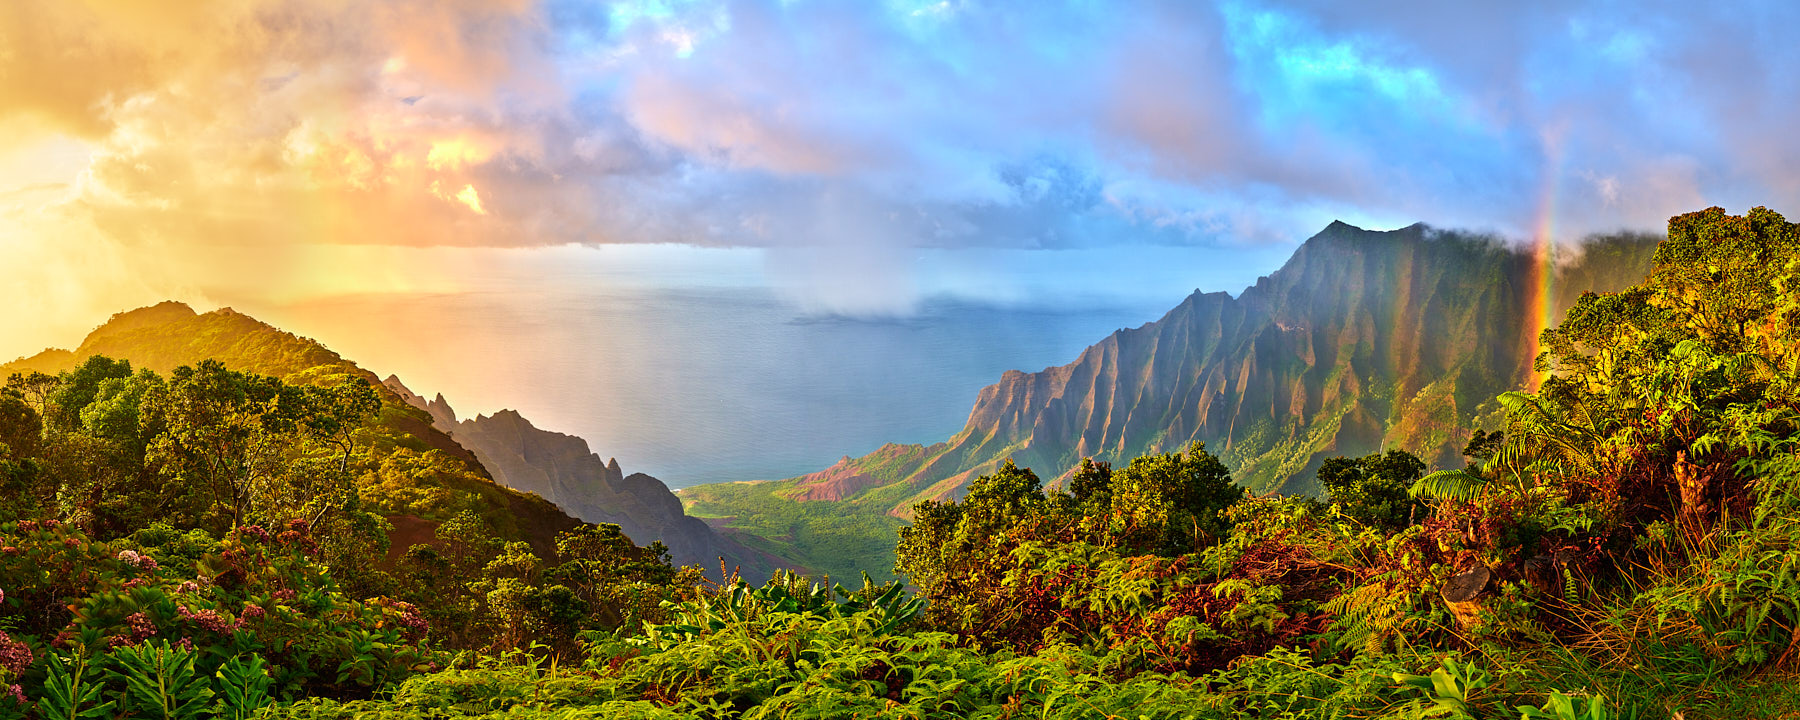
[701, 385]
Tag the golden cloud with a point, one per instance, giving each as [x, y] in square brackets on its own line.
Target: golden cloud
[280, 121]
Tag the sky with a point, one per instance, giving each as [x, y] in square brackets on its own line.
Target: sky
[861, 157]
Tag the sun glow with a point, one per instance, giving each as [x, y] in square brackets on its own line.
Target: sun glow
[457, 153]
[469, 197]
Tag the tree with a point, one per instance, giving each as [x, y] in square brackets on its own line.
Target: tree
[259, 449]
[1717, 272]
[87, 447]
[1482, 446]
[35, 387]
[950, 541]
[1092, 483]
[78, 387]
[20, 437]
[1008, 495]
[99, 459]
[1172, 503]
[21, 428]
[1373, 489]
[620, 583]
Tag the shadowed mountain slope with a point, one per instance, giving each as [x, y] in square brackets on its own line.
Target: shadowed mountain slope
[561, 469]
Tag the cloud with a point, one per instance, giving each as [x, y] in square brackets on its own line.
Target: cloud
[866, 131]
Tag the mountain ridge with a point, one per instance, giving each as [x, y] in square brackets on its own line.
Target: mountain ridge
[169, 334]
[562, 469]
[1364, 340]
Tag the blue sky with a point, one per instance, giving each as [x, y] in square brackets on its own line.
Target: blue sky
[1236, 123]
[862, 155]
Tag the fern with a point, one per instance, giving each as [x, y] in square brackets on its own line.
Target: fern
[243, 688]
[1456, 485]
[160, 681]
[1369, 616]
[67, 693]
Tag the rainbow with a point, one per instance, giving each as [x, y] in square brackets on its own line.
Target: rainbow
[1542, 278]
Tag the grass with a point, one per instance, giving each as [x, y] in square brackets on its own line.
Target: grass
[839, 539]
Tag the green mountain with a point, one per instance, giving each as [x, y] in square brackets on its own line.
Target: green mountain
[416, 473]
[1362, 341]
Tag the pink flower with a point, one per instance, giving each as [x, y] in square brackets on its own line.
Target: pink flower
[411, 618]
[18, 693]
[141, 627]
[14, 655]
[210, 619]
[136, 560]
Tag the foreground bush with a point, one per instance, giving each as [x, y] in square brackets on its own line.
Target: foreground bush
[99, 624]
[771, 652]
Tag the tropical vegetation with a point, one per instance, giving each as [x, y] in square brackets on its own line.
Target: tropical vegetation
[1624, 543]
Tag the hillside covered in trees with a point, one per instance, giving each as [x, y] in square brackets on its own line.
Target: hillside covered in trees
[405, 468]
[1624, 544]
[478, 469]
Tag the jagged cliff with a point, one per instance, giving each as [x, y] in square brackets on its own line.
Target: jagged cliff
[562, 469]
[1363, 340]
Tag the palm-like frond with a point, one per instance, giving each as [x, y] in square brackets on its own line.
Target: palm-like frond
[1459, 485]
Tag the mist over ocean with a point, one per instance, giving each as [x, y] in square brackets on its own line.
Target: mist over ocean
[702, 385]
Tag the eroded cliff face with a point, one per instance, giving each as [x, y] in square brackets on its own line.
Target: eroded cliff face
[1362, 337]
[1362, 341]
[562, 469]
